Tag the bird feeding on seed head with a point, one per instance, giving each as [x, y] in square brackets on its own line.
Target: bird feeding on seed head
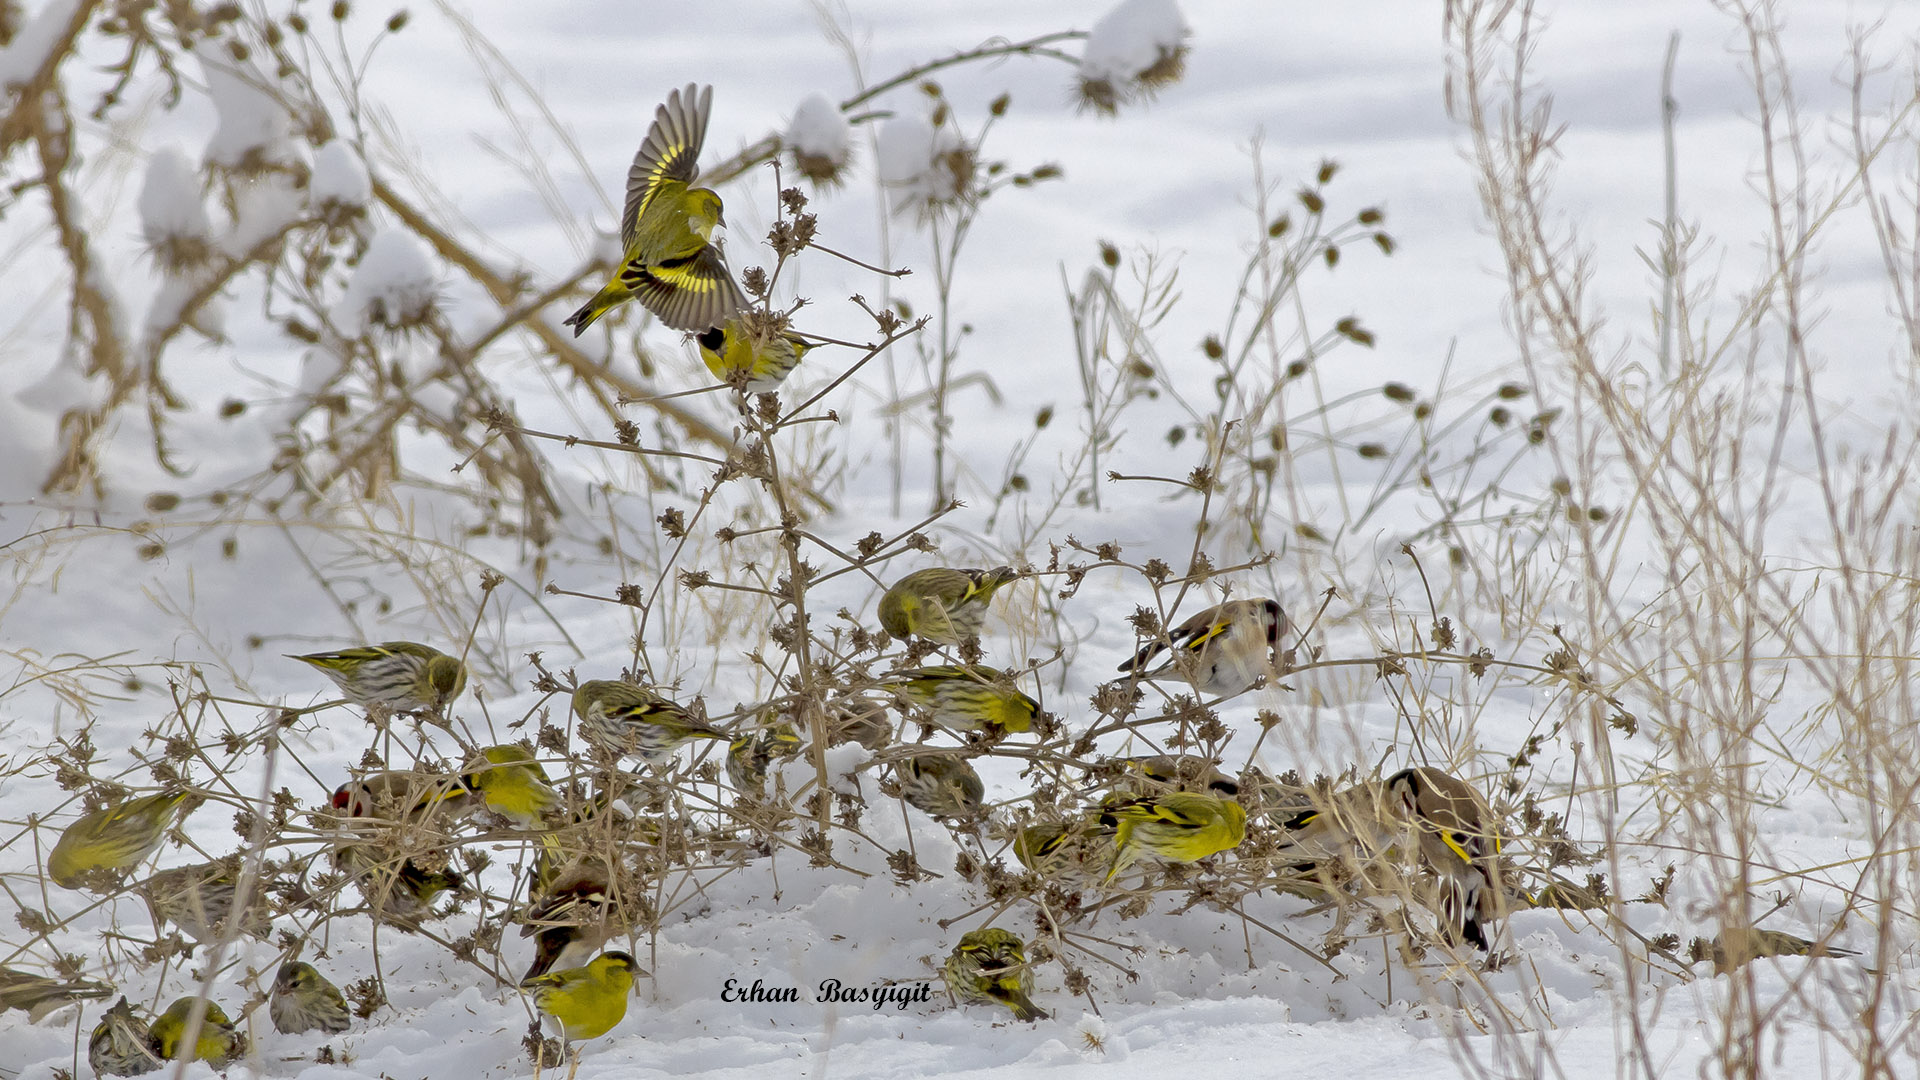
[404, 676]
[1221, 650]
[620, 718]
[943, 604]
[668, 260]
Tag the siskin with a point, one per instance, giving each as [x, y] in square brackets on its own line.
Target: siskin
[620, 718]
[749, 756]
[1458, 843]
[39, 995]
[975, 698]
[1733, 948]
[1180, 826]
[512, 784]
[404, 897]
[1177, 772]
[199, 900]
[303, 1000]
[990, 966]
[669, 262]
[218, 1044]
[122, 1045]
[859, 719]
[1070, 854]
[1222, 650]
[753, 353]
[941, 603]
[403, 676]
[586, 1001]
[112, 840]
[940, 785]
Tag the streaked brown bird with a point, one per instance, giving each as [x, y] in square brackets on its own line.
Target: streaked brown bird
[943, 604]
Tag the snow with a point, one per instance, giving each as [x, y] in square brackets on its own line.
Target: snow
[1131, 38]
[33, 43]
[172, 204]
[394, 284]
[914, 161]
[820, 137]
[1203, 989]
[339, 176]
[253, 127]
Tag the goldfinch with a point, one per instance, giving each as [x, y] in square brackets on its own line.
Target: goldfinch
[941, 604]
[575, 915]
[1177, 772]
[961, 698]
[753, 350]
[122, 1044]
[403, 676]
[219, 1043]
[621, 719]
[586, 1002]
[38, 995]
[111, 840]
[990, 967]
[750, 755]
[669, 262]
[510, 783]
[940, 785]
[1180, 826]
[1220, 651]
[303, 1000]
[1458, 841]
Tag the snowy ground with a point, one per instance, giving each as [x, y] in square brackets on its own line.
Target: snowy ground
[1287, 85]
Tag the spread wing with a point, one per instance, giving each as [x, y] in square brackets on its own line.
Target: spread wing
[670, 152]
[687, 294]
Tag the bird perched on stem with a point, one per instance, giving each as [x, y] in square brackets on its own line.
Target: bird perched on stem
[668, 260]
[404, 676]
[963, 698]
[990, 967]
[753, 350]
[1180, 826]
[122, 1044]
[112, 840]
[752, 753]
[1220, 651]
[620, 718]
[304, 1000]
[199, 900]
[941, 603]
[940, 785]
[586, 1002]
[512, 784]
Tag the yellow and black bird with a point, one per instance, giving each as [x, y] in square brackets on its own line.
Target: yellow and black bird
[669, 262]
[753, 350]
[219, 1042]
[990, 967]
[1179, 826]
[586, 1002]
[619, 718]
[112, 840]
[967, 698]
